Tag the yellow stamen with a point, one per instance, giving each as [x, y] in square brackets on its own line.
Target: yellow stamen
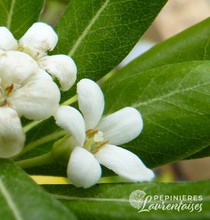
[9, 89]
[91, 132]
[99, 147]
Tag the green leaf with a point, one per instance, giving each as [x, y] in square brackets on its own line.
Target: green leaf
[19, 15]
[191, 44]
[100, 33]
[22, 199]
[174, 102]
[200, 154]
[111, 201]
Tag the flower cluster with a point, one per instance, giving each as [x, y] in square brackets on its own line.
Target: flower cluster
[27, 89]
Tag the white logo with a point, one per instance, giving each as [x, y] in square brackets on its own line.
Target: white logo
[136, 198]
[139, 200]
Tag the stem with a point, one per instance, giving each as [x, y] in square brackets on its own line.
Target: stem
[106, 77]
[113, 179]
[31, 125]
[70, 101]
[43, 140]
[62, 149]
[36, 161]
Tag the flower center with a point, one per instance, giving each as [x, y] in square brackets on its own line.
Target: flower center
[4, 93]
[27, 50]
[94, 140]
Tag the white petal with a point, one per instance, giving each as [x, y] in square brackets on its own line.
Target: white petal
[16, 67]
[71, 120]
[121, 126]
[37, 99]
[12, 137]
[39, 39]
[62, 67]
[7, 41]
[91, 102]
[83, 169]
[124, 163]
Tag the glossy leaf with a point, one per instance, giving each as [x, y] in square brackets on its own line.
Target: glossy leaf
[111, 201]
[200, 154]
[22, 199]
[174, 102]
[19, 15]
[191, 44]
[100, 33]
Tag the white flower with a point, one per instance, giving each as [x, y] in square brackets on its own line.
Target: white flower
[37, 41]
[25, 90]
[12, 137]
[95, 138]
[7, 41]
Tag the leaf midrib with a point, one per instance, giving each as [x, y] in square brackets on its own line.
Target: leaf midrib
[87, 29]
[10, 14]
[160, 98]
[64, 197]
[9, 200]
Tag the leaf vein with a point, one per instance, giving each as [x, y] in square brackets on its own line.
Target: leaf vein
[207, 198]
[85, 32]
[206, 49]
[4, 7]
[9, 201]
[160, 98]
[10, 14]
[89, 199]
[168, 130]
[186, 109]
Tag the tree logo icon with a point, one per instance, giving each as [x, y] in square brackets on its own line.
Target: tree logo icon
[136, 198]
